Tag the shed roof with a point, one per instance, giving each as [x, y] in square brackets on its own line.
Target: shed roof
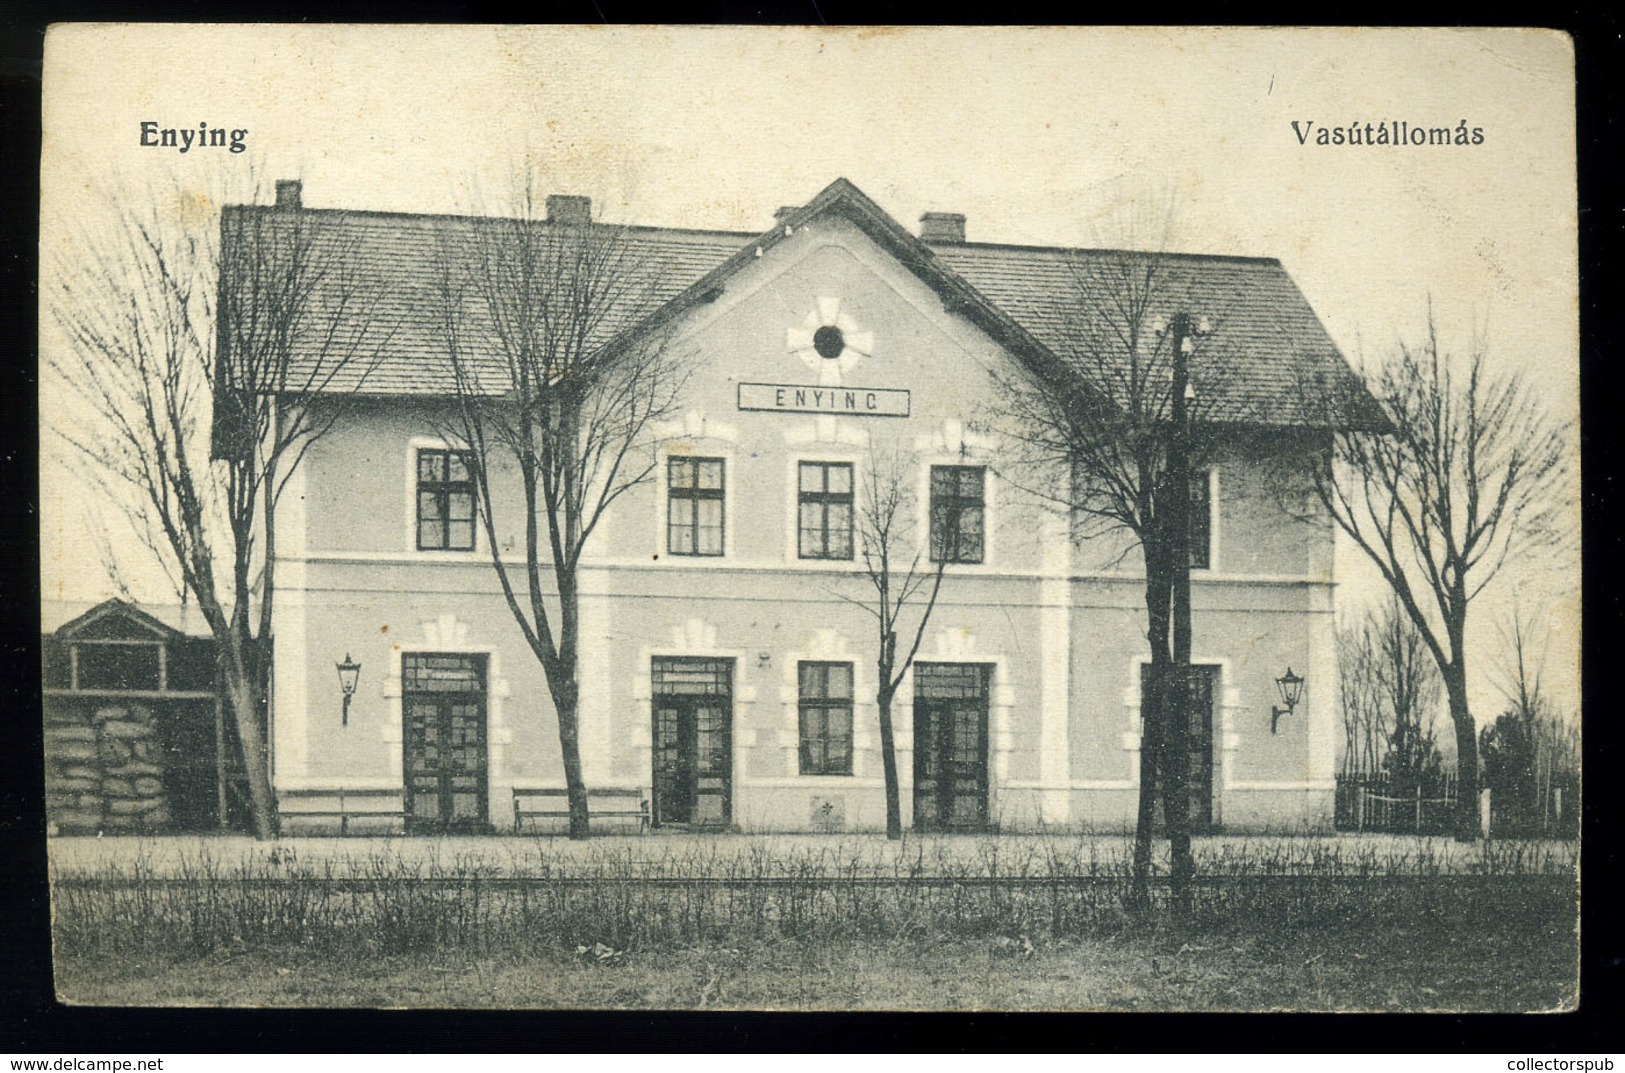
[68, 619]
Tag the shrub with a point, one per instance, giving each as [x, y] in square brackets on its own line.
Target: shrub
[735, 894]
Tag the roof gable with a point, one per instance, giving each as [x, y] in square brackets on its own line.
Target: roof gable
[116, 620]
[844, 198]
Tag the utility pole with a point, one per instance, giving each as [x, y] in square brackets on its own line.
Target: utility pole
[1176, 694]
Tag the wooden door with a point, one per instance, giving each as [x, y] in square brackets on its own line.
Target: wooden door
[693, 741]
[1199, 739]
[950, 746]
[189, 744]
[674, 776]
[445, 743]
[1199, 758]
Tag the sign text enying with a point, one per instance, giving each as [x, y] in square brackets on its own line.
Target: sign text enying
[799, 398]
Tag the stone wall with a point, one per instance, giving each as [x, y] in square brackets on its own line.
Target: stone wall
[102, 767]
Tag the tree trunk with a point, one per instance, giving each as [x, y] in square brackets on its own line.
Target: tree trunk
[1151, 725]
[1174, 688]
[1176, 704]
[1146, 819]
[1466, 818]
[568, 699]
[567, 703]
[245, 695]
[888, 760]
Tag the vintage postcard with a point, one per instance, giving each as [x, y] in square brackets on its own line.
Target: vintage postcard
[811, 518]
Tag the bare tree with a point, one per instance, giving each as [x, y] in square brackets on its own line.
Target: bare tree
[1113, 432]
[1365, 731]
[1463, 472]
[894, 568]
[1390, 689]
[208, 364]
[551, 383]
[1550, 741]
[1409, 683]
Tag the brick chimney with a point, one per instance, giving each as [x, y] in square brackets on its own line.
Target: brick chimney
[942, 227]
[569, 209]
[288, 193]
[782, 211]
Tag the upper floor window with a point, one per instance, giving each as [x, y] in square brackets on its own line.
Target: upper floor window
[695, 491]
[1201, 516]
[958, 513]
[445, 501]
[826, 718]
[825, 510]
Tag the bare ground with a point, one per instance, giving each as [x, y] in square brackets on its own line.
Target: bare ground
[1493, 961]
[1476, 966]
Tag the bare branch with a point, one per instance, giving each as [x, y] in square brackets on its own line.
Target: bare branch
[1457, 472]
[209, 353]
[551, 388]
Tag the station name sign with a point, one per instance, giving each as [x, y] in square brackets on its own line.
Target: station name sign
[801, 399]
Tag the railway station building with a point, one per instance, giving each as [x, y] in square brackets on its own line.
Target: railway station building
[728, 667]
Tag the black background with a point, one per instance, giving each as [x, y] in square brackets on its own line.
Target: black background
[32, 1022]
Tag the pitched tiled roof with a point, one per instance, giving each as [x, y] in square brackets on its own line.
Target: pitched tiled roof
[1269, 342]
[389, 267]
[1266, 357]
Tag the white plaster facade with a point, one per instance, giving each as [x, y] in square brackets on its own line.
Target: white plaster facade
[1059, 624]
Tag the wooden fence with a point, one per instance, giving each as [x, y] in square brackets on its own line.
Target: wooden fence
[1376, 801]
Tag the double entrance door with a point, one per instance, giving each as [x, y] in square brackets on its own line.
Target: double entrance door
[950, 746]
[693, 741]
[1199, 762]
[445, 743]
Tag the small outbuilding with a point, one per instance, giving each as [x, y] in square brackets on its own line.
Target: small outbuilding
[135, 738]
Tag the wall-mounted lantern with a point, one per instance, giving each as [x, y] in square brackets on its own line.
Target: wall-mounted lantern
[349, 678]
[1291, 687]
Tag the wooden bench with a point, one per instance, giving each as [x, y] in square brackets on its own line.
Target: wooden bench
[607, 802]
[344, 812]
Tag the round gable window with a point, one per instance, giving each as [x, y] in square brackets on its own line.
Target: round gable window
[828, 341]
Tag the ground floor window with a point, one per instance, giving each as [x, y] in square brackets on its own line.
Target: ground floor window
[826, 718]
